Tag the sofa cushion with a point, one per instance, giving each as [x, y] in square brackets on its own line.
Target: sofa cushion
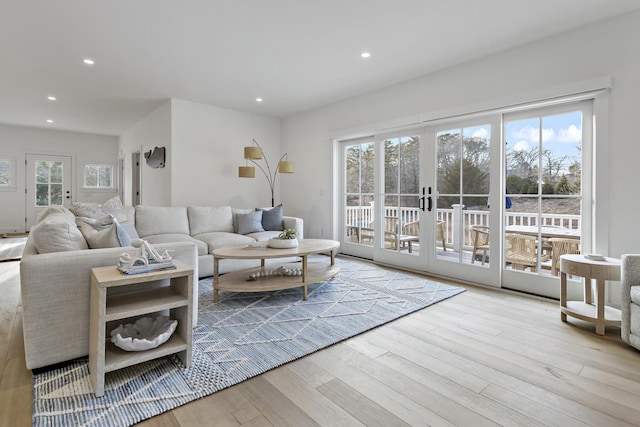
[153, 220]
[57, 233]
[272, 218]
[174, 238]
[208, 219]
[250, 222]
[219, 239]
[103, 238]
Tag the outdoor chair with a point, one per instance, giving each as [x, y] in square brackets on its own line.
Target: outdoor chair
[480, 241]
[561, 246]
[522, 251]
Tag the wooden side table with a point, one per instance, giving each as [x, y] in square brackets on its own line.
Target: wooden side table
[601, 271]
[108, 310]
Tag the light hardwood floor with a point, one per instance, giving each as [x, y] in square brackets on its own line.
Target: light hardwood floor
[481, 358]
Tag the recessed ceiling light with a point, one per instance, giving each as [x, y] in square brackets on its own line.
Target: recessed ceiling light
[88, 61]
[49, 121]
[258, 99]
[51, 98]
[365, 54]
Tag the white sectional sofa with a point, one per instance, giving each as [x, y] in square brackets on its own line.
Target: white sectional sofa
[55, 270]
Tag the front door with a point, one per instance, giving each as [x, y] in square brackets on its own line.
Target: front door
[48, 183]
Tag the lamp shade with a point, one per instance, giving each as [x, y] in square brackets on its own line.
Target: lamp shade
[286, 166]
[246, 172]
[252, 153]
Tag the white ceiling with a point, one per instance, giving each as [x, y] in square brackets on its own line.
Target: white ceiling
[296, 54]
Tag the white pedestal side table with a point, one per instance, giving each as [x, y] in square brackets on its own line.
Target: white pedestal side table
[601, 271]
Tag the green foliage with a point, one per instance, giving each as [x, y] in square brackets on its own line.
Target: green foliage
[288, 234]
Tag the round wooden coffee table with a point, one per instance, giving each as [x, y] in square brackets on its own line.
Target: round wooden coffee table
[246, 281]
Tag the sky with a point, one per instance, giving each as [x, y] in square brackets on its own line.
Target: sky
[562, 134]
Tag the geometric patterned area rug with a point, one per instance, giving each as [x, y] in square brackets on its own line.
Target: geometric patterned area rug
[242, 336]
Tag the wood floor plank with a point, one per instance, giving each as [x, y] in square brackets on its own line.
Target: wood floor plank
[423, 389]
[377, 391]
[541, 384]
[359, 406]
[309, 399]
[313, 374]
[273, 404]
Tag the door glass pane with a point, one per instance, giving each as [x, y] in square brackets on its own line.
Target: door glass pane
[401, 194]
[463, 194]
[359, 186]
[543, 167]
[49, 187]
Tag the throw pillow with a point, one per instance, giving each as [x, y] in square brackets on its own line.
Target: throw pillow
[113, 206]
[105, 238]
[272, 218]
[57, 234]
[250, 222]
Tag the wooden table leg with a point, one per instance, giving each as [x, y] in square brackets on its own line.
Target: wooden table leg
[600, 306]
[563, 295]
[215, 279]
[304, 277]
[588, 297]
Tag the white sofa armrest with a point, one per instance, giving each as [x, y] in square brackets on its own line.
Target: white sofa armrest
[629, 276]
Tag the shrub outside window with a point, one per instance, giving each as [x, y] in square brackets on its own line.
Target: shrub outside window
[98, 176]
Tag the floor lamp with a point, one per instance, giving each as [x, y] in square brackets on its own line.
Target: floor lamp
[253, 153]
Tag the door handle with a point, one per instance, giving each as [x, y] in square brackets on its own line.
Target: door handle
[430, 204]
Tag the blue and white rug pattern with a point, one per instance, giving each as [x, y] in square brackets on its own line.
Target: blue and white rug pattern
[246, 334]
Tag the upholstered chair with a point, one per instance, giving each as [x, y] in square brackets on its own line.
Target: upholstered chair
[630, 286]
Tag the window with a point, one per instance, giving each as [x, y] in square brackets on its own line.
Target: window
[5, 173]
[98, 176]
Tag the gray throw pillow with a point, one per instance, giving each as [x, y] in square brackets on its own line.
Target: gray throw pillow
[272, 218]
[250, 222]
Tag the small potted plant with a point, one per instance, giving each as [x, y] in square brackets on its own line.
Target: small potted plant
[286, 239]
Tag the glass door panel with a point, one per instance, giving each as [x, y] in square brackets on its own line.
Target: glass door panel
[401, 209]
[358, 228]
[463, 193]
[544, 158]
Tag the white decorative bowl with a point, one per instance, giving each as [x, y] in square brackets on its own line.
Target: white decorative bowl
[283, 243]
[144, 334]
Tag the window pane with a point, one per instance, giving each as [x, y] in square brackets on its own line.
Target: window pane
[56, 194]
[42, 194]
[5, 172]
[353, 169]
[42, 172]
[56, 172]
[98, 176]
[448, 168]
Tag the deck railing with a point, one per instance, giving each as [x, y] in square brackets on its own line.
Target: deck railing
[363, 216]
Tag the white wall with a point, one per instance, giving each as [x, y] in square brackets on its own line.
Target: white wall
[208, 146]
[604, 49]
[16, 142]
[154, 130]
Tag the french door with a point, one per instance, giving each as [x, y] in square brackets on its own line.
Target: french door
[48, 183]
[463, 183]
[493, 199]
[383, 201]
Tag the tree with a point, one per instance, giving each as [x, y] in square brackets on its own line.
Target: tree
[474, 181]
